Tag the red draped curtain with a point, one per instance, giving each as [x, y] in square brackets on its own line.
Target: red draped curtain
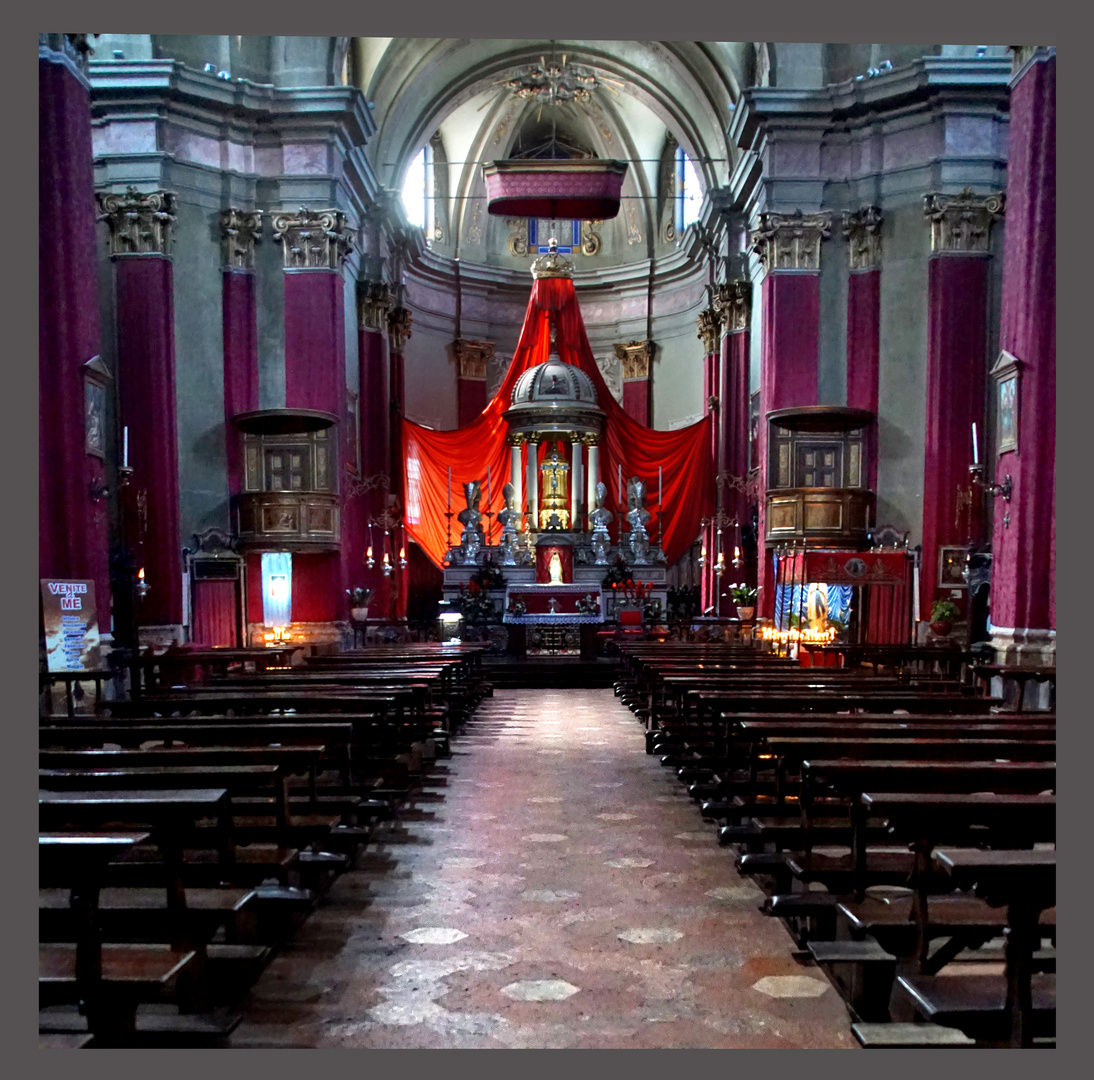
[216, 613]
[684, 455]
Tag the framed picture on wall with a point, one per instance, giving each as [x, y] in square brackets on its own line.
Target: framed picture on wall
[96, 377]
[1006, 373]
[951, 562]
[353, 433]
[754, 431]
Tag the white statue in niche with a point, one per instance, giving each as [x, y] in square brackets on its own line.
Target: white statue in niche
[554, 568]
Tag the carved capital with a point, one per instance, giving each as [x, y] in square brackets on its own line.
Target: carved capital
[1021, 55]
[733, 303]
[635, 356]
[399, 321]
[239, 231]
[862, 228]
[141, 223]
[709, 326]
[375, 300]
[791, 241]
[471, 358]
[313, 239]
[962, 222]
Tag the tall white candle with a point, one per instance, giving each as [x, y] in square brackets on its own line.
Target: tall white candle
[620, 482]
[489, 523]
[450, 488]
[975, 446]
[125, 447]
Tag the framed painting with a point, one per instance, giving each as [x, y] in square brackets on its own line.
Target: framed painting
[1006, 372]
[96, 377]
[353, 433]
[754, 431]
[951, 564]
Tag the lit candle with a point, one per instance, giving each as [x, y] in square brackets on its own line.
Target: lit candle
[125, 447]
[736, 552]
[368, 554]
[975, 446]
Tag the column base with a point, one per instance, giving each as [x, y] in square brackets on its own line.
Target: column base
[1023, 647]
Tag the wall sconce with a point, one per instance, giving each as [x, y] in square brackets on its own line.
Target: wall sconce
[1005, 489]
[98, 489]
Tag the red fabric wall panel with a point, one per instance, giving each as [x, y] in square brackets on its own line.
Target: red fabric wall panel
[957, 290]
[240, 363]
[863, 351]
[470, 399]
[636, 400]
[72, 527]
[1023, 586]
[146, 363]
[315, 351]
[215, 613]
[315, 588]
[254, 588]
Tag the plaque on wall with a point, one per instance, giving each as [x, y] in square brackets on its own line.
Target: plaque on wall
[70, 624]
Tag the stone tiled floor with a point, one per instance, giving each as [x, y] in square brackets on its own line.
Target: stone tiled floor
[552, 886]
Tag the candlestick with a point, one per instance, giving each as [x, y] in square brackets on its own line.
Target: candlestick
[975, 446]
[449, 487]
[125, 447]
[620, 485]
[489, 521]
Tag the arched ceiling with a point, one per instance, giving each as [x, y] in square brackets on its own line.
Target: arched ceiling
[418, 85]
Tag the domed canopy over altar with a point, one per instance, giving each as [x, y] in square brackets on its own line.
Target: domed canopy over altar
[553, 418]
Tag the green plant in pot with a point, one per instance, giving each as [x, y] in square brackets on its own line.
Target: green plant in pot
[943, 613]
[744, 596]
[358, 603]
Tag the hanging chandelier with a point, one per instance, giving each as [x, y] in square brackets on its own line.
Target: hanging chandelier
[552, 83]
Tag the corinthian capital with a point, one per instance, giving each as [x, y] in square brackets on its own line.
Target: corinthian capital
[239, 232]
[733, 303]
[313, 239]
[862, 228]
[374, 300]
[399, 321]
[962, 222]
[709, 326]
[635, 356]
[791, 241]
[141, 223]
[472, 358]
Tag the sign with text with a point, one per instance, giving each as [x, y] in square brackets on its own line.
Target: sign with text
[71, 625]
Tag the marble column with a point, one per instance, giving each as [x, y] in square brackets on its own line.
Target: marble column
[591, 480]
[957, 345]
[789, 248]
[515, 477]
[862, 229]
[141, 228]
[575, 484]
[533, 485]
[1023, 579]
[73, 441]
[314, 245]
[239, 230]
[471, 359]
[635, 357]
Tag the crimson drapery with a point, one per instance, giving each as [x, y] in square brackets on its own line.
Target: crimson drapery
[684, 455]
[214, 621]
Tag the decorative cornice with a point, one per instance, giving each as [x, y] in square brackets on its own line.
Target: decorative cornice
[635, 357]
[399, 321]
[1021, 55]
[375, 299]
[733, 303]
[141, 223]
[313, 239]
[790, 241]
[471, 358]
[962, 223]
[862, 228]
[709, 328]
[239, 231]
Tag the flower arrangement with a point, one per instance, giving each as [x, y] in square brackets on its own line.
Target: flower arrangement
[944, 611]
[743, 595]
[618, 574]
[359, 597]
[489, 576]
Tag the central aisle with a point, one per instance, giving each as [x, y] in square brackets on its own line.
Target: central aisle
[552, 886]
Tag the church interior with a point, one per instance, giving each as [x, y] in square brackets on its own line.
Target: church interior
[569, 559]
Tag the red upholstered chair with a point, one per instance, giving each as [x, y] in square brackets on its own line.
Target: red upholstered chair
[630, 623]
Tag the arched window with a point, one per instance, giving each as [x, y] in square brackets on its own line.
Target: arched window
[689, 191]
[418, 191]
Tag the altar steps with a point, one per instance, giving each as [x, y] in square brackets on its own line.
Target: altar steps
[549, 672]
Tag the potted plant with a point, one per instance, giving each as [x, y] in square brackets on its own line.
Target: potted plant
[744, 596]
[358, 603]
[943, 613]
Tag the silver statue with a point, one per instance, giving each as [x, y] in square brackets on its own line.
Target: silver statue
[509, 518]
[600, 517]
[471, 520]
[637, 516]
